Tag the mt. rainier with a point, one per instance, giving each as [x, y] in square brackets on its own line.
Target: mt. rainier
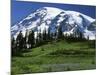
[50, 18]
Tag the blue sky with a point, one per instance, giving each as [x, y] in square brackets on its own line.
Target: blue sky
[20, 9]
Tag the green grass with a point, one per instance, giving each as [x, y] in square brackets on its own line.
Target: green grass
[55, 56]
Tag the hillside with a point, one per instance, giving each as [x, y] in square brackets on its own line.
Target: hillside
[51, 18]
[56, 56]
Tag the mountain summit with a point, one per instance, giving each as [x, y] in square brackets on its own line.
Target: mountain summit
[51, 18]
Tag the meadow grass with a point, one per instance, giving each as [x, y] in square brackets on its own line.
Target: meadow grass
[55, 56]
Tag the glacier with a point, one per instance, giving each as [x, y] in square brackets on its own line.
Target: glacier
[50, 18]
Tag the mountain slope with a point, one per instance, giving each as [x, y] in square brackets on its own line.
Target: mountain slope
[51, 18]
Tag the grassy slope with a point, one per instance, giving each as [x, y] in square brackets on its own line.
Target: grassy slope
[55, 56]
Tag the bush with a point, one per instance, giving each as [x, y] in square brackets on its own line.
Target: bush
[68, 69]
[42, 49]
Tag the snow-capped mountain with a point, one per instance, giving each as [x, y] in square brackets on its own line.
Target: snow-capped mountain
[50, 18]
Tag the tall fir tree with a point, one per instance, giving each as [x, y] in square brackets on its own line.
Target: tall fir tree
[13, 49]
[40, 36]
[31, 39]
[80, 36]
[44, 35]
[48, 34]
[60, 34]
[20, 41]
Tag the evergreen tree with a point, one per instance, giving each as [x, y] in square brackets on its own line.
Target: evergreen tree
[12, 42]
[13, 49]
[20, 41]
[48, 35]
[81, 35]
[40, 37]
[31, 39]
[59, 32]
[44, 35]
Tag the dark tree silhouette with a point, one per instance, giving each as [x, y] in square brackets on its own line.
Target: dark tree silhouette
[20, 41]
[31, 38]
[13, 46]
[26, 39]
[60, 32]
[48, 35]
[44, 35]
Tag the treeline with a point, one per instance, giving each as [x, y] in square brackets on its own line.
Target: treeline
[30, 40]
[34, 39]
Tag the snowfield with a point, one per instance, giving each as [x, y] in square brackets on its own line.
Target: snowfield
[51, 18]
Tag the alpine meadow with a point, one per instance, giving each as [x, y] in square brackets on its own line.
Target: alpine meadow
[51, 39]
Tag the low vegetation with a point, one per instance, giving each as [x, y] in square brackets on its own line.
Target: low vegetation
[56, 56]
